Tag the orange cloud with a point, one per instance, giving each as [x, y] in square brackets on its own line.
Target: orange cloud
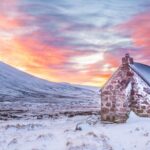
[32, 56]
[32, 61]
[101, 71]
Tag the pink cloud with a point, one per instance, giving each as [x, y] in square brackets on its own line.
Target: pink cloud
[139, 29]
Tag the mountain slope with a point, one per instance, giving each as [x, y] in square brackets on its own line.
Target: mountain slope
[19, 87]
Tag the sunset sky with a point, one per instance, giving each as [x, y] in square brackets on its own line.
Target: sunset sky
[74, 41]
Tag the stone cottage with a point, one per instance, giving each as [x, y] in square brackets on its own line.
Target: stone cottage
[127, 90]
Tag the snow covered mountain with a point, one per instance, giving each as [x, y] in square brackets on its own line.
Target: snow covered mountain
[20, 90]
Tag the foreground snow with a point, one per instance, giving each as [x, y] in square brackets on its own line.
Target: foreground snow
[27, 99]
[76, 133]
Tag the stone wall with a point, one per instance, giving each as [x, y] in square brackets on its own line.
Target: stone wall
[140, 102]
[115, 96]
[124, 92]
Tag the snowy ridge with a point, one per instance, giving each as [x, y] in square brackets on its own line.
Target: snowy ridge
[29, 92]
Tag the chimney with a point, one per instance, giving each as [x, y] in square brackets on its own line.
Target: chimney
[126, 60]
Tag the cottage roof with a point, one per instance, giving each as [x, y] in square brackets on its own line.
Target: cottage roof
[142, 70]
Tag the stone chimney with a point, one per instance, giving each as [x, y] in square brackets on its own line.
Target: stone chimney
[126, 60]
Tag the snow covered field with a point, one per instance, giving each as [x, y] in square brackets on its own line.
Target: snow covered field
[35, 117]
[76, 133]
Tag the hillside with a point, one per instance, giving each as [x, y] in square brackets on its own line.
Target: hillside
[21, 91]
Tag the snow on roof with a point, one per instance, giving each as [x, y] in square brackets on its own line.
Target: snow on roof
[142, 70]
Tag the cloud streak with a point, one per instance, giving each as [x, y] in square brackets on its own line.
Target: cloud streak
[77, 42]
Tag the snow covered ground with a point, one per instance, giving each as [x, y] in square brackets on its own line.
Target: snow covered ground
[76, 133]
[33, 117]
